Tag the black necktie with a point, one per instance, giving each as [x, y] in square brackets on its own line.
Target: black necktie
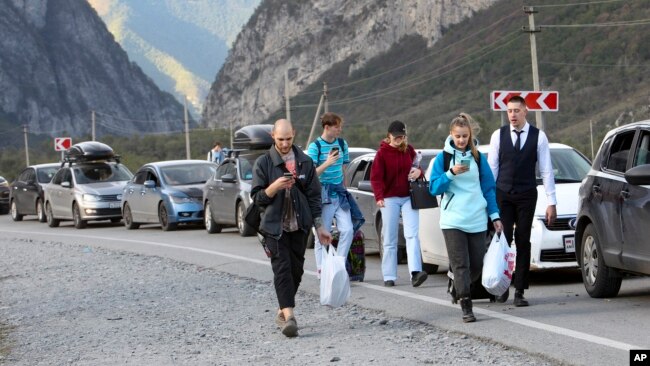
[518, 141]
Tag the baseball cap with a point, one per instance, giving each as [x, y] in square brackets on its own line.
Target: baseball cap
[397, 128]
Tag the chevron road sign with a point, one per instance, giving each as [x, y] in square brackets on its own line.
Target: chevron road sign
[545, 101]
[62, 143]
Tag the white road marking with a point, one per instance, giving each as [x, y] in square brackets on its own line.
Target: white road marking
[513, 319]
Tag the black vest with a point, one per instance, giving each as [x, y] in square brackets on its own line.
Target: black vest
[517, 170]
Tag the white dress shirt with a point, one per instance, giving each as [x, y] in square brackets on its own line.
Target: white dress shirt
[543, 158]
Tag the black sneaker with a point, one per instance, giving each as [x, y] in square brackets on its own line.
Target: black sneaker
[389, 283]
[504, 297]
[418, 278]
[519, 300]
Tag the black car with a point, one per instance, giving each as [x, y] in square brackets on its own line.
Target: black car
[4, 196]
[612, 228]
[26, 197]
[357, 180]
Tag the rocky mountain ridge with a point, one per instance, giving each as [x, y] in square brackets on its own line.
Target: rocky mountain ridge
[59, 62]
[307, 39]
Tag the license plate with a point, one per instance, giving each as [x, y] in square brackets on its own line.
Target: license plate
[569, 243]
[113, 205]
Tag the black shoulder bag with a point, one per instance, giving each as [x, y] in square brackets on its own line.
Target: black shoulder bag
[420, 196]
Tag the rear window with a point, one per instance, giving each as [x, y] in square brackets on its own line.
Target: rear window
[45, 175]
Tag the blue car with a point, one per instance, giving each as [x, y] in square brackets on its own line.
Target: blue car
[166, 193]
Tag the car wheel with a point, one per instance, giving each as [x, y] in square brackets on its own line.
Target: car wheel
[242, 226]
[128, 218]
[51, 221]
[210, 225]
[163, 217]
[401, 251]
[76, 216]
[14, 211]
[40, 211]
[599, 280]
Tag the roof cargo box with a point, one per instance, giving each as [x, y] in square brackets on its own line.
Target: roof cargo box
[89, 151]
[253, 137]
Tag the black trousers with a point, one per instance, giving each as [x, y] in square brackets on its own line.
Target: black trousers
[465, 252]
[518, 209]
[287, 262]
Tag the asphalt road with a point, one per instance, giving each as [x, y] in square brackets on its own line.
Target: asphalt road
[563, 323]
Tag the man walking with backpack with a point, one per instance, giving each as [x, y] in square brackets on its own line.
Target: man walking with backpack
[330, 154]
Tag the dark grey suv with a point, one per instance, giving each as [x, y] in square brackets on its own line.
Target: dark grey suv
[612, 227]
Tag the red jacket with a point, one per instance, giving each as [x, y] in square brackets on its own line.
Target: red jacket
[390, 170]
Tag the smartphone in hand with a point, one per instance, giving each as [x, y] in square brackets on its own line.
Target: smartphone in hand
[288, 175]
[465, 162]
[334, 151]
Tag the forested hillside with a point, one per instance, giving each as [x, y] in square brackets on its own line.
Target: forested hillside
[595, 55]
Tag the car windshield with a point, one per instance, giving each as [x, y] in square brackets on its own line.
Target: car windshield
[246, 163]
[45, 175]
[180, 175]
[569, 166]
[101, 172]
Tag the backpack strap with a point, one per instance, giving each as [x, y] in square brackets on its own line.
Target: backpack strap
[338, 139]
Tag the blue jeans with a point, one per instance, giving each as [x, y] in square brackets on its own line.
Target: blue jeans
[390, 221]
[343, 225]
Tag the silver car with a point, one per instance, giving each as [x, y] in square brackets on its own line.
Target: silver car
[86, 191]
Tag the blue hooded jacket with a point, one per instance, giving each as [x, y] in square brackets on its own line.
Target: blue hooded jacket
[469, 197]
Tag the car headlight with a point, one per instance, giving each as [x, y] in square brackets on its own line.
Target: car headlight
[177, 199]
[90, 197]
[119, 197]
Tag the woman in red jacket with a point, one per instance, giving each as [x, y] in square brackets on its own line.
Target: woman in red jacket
[394, 165]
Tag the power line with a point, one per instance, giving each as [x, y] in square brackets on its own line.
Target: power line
[610, 24]
[590, 65]
[574, 4]
[416, 60]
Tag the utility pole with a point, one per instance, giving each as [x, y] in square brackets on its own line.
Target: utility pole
[327, 105]
[188, 156]
[26, 145]
[286, 95]
[531, 30]
[313, 125]
[591, 133]
[92, 118]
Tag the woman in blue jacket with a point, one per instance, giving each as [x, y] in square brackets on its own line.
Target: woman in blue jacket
[469, 199]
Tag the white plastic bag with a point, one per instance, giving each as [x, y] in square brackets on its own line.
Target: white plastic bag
[498, 265]
[334, 281]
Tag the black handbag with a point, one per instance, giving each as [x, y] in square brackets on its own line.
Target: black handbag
[253, 216]
[420, 196]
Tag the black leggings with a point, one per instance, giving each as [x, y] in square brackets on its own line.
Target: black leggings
[287, 261]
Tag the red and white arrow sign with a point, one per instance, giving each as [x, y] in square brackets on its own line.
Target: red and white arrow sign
[62, 143]
[546, 101]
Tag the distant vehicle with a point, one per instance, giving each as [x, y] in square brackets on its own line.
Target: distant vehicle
[552, 246]
[87, 187]
[166, 192]
[27, 197]
[226, 195]
[357, 179]
[4, 196]
[613, 228]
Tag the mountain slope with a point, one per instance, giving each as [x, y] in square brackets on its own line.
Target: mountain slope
[58, 62]
[306, 39]
[180, 44]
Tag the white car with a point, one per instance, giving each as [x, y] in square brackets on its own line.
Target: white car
[551, 246]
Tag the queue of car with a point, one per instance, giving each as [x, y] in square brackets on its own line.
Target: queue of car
[603, 208]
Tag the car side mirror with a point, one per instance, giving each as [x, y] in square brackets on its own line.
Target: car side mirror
[639, 175]
[228, 178]
[365, 186]
[149, 184]
[66, 184]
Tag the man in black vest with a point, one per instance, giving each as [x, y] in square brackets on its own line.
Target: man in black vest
[514, 151]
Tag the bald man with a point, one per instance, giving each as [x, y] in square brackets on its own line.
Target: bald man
[292, 205]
